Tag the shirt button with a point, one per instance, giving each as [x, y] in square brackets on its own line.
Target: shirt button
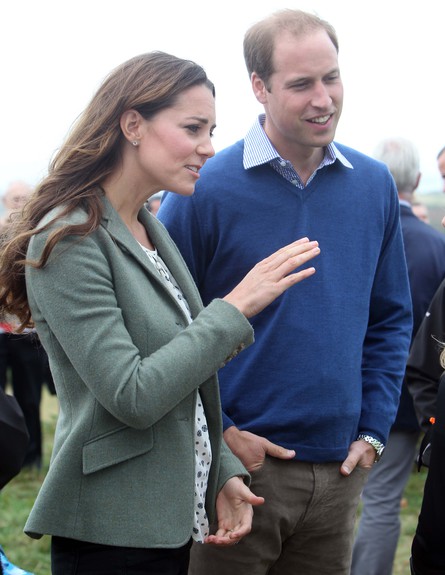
[294, 182]
[282, 163]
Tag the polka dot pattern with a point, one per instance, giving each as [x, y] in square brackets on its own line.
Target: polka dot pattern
[203, 452]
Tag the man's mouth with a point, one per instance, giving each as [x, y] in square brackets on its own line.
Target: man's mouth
[320, 119]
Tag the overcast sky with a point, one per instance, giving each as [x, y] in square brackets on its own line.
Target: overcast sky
[54, 54]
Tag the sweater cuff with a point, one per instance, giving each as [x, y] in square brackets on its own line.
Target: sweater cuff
[227, 422]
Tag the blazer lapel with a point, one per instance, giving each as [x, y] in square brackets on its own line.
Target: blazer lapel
[166, 249]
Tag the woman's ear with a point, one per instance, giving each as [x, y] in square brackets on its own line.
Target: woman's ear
[131, 125]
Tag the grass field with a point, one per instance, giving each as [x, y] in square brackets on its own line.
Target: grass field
[18, 496]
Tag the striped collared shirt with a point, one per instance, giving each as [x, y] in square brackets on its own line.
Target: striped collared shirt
[258, 150]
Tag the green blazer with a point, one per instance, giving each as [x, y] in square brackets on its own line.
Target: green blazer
[127, 367]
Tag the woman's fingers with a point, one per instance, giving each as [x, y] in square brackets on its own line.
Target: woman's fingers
[284, 261]
[301, 251]
[272, 276]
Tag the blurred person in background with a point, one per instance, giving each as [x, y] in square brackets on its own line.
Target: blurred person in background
[426, 382]
[379, 527]
[153, 203]
[421, 211]
[14, 439]
[441, 165]
[22, 357]
[13, 200]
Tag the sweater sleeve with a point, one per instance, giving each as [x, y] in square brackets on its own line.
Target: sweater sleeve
[387, 340]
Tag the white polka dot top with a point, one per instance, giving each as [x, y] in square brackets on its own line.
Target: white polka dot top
[203, 452]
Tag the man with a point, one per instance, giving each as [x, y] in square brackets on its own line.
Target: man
[425, 379]
[420, 210]
[14, 198]
[379, 529]
[153, 203]
[308, 409]
[441, 165]
[423, 369]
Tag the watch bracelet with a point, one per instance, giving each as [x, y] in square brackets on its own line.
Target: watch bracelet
[377, 445]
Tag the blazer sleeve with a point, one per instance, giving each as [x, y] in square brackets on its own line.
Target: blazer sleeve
[74, 301]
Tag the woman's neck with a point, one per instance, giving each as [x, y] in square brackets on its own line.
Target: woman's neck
[128, 204]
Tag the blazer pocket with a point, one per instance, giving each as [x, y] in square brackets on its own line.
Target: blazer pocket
[115, 447]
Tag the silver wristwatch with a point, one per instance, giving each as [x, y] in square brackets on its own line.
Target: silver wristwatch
[377, 445]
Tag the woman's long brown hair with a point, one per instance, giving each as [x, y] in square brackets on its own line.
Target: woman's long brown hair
[147, 83]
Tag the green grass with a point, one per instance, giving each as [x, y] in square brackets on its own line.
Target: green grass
[18, 496]
[409, 515]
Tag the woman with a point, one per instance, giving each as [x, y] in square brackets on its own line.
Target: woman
[138, 455]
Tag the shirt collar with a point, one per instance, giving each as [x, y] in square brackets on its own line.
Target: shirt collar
[258, 149]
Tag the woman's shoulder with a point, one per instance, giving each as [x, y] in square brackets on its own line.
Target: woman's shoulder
[50, 223]
[57, 217]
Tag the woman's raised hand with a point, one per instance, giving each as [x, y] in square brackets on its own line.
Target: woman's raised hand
[273, 276]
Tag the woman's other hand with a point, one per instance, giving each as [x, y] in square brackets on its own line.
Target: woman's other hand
[234, 508]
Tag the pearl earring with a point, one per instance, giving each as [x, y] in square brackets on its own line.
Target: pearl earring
[135, 143]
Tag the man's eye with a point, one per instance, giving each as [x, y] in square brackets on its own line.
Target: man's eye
[300, 86]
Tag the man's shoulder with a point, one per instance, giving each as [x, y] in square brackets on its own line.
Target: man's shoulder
[424, 247]
[358, 158]
[421, 229]
[231, 155]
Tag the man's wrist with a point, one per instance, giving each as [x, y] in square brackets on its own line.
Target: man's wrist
[230, 436]
[376, 444]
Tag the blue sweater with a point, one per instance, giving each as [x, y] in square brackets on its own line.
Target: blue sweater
[330, 353]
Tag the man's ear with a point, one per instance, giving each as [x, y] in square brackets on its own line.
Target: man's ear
[259, 88]
[131, 125]
[419, 175]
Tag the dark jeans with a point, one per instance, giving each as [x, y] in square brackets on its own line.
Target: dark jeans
[71, 557]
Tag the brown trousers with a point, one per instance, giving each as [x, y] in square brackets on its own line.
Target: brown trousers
[305, 526]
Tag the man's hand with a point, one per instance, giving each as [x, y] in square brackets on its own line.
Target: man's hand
[234, 512]
[360, 453]
[252, 449]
